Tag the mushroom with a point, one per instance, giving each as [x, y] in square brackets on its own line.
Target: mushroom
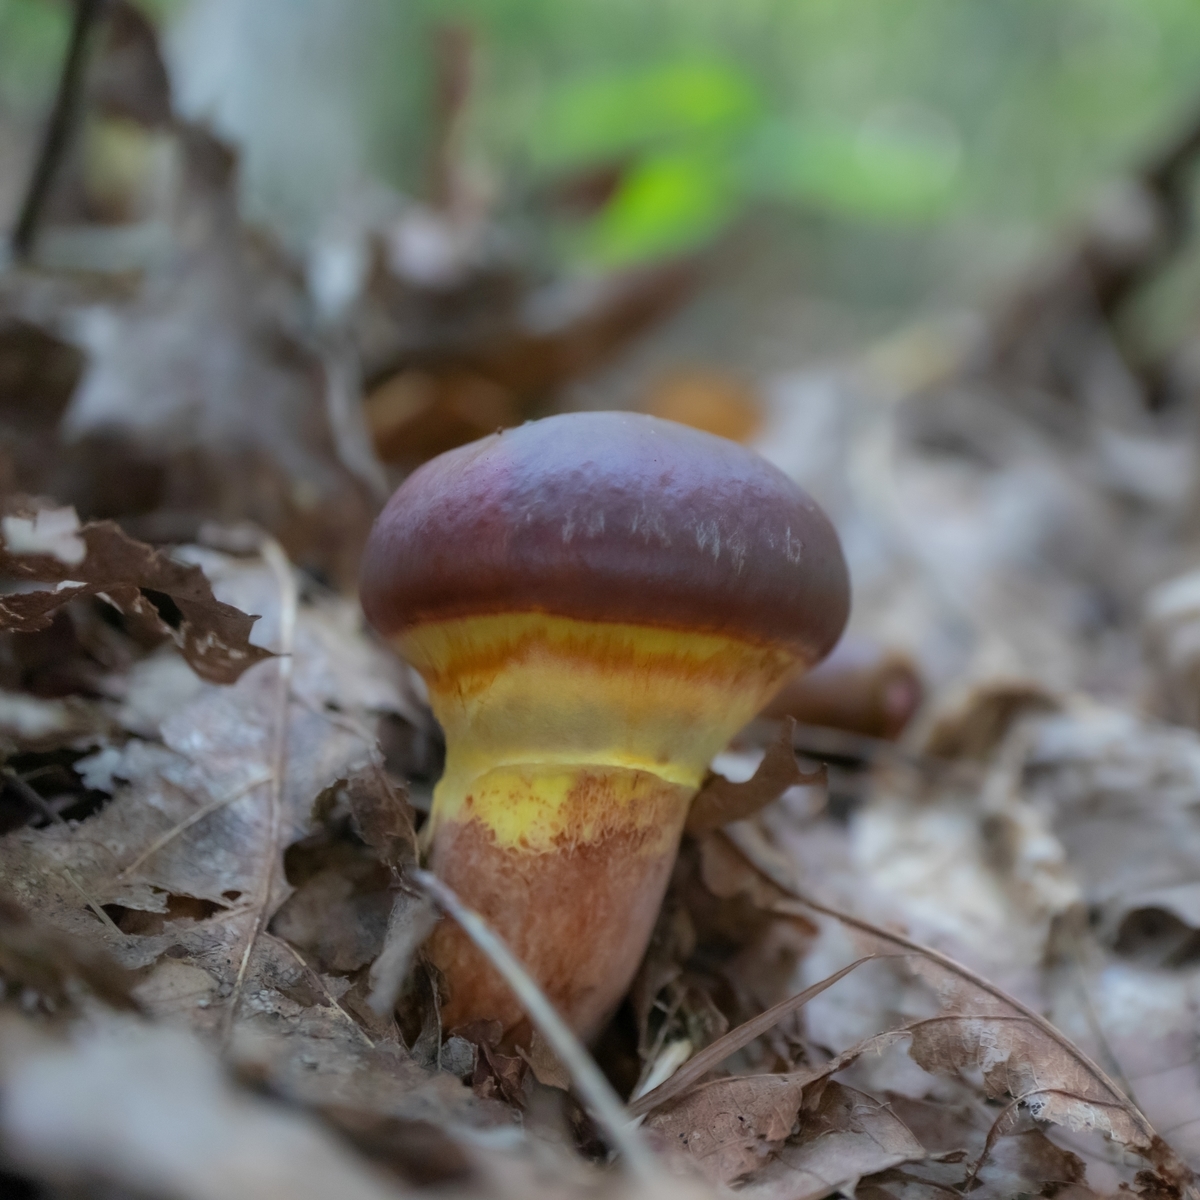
[862, 687]
[597, 602]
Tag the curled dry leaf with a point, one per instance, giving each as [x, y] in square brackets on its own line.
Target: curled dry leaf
[173, 860]
[168, 598]
[719, 801]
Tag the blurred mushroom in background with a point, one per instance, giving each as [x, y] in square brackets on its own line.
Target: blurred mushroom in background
[862, 687]
[708, 399]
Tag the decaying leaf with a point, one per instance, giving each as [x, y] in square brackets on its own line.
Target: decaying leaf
[840, 1139]
[47, 546]
[791, 1131]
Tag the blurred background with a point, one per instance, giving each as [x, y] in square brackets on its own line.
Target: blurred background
[850, 168]
[259, 259]
[265, 257]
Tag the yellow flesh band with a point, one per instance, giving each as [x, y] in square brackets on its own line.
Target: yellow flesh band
[532, 704]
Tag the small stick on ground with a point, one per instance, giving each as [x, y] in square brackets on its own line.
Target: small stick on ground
[60, 128]
[289, 601]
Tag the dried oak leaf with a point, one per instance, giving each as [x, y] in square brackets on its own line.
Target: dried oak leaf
[1023, 1060]
[46, 546]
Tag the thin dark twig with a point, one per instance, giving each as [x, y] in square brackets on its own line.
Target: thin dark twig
[993, 1134]
[61, 126]
[31, 796]
[1180, 1125]
[1097, 1028]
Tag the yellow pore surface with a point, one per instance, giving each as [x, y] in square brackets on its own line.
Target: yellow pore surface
[558, 729]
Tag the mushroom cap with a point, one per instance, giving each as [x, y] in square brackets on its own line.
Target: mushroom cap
[610, 516]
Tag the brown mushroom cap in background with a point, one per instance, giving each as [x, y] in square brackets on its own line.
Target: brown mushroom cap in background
[610, 516]
[862, 687]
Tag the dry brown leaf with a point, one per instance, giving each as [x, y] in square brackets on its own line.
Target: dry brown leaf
[178, 855]
[732, 1128]
[1023, 1059]
[719, 801]
[48, 546]
[843, 1137]
[383, 817]
[207, 392]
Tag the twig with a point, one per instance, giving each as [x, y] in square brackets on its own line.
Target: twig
[733, 1041]
[993, 1134]
[31, 796]
[92, 902]
[289, 600]
[60, 128]
[596, 1091]
[211, 807]
[1094, 1024]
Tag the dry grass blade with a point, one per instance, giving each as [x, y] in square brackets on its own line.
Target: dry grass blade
[733, 1041]
[289, 601]
[92, 903]
[596, 1091]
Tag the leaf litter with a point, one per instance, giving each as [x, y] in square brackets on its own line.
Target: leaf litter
[966, 963]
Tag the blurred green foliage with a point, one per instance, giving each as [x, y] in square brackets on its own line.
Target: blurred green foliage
[33, 35]
[871, 113]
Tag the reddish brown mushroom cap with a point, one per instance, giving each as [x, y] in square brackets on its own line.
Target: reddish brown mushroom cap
[610, 517]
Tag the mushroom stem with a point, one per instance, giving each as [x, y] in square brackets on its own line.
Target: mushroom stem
[596, 1091]
[573, 751]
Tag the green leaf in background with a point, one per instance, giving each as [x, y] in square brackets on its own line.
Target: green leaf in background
[902, 165]
[668, 204]
[33, 35]
[613, 115]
